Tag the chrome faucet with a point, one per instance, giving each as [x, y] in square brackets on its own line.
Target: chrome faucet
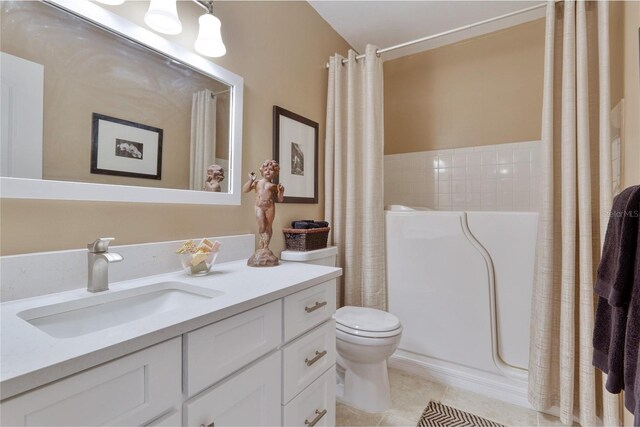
[99, 259]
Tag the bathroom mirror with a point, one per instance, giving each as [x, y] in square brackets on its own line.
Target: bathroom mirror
[95, 107]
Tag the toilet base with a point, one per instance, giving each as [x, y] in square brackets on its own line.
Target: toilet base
[364, 386]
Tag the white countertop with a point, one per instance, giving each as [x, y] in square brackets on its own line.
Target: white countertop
[30, 358]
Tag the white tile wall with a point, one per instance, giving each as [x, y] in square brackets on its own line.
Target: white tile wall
[501, 177]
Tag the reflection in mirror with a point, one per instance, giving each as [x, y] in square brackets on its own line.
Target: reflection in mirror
[166, 124]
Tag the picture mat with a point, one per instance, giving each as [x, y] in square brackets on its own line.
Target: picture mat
[304, 136]
[109, 131]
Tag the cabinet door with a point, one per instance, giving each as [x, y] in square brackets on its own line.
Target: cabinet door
[171, 419]
[315, 405]
[249, 398]
[125, 392]
[218, 350]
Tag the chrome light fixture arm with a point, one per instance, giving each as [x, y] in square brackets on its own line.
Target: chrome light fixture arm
[206, 5]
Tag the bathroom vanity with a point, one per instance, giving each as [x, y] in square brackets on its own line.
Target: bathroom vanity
[241, 346]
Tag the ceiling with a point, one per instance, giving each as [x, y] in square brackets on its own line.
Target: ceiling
[387, 23]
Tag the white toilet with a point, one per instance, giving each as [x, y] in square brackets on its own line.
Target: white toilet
[365, 338]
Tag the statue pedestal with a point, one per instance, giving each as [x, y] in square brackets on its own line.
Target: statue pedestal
[263, 258]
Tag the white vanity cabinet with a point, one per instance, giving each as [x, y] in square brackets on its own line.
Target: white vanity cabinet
[293, 340]
[267, 366]
[132, 390]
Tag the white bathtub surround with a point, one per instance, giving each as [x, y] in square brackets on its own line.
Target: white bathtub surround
[447, 310]
[501, 177]
[30, 275]
[354, 204]
[560, 367]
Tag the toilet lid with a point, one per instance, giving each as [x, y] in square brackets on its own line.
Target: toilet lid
[368, 334]
[365, 319]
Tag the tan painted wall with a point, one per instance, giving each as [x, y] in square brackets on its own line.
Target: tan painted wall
[280, 48]
[616, 53]
[631, 149]
[485, 90]
[625, 21]
[631, 133]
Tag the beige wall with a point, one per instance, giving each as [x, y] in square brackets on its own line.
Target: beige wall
[616, 53]
[280, 48]
[482, 91]
[631, 133]
[631, 149]
[625, 83]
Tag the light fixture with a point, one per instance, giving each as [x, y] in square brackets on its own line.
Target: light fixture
[162, 17]
[111, 2]
[209, 41]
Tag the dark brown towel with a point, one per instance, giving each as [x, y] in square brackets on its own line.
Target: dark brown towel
[609, 337]
[615, 272]
[632, 348]
[616, 334]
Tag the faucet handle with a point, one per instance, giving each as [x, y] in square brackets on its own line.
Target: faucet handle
[100, 245]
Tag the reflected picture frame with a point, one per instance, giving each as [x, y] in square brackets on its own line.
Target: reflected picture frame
[125, 148]
[295, 148]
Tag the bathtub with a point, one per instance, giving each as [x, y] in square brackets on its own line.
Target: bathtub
[461, 284]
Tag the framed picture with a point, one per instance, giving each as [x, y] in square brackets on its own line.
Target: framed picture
[295, 148]
[124, 148]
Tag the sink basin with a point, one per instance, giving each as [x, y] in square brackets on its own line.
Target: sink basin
[113, 308]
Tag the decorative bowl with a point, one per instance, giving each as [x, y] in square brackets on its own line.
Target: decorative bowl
[198, 264]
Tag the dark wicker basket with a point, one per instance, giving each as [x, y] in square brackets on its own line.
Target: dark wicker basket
[305, 239]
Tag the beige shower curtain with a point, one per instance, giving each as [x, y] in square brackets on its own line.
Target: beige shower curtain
[354, 202]
[203, 137]
[576, 193]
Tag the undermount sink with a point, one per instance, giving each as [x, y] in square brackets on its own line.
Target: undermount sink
[113, 308]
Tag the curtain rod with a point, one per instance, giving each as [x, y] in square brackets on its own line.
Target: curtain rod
[446, 33]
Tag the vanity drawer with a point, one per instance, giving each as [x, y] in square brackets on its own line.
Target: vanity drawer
[217, 350]
[312, 403]
[128, 391]
[306, 309]
[307, 358]
[249, 398]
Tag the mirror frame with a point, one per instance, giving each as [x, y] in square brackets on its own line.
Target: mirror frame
[23, 188]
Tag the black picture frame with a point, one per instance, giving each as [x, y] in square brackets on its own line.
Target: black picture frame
[124, 148]
[295, 140]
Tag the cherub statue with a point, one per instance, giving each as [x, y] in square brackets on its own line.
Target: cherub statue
[267, 193]
[215, 175]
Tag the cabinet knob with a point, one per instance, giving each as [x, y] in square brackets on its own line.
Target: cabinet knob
[319, 355]
[315, 307]
[319, 415]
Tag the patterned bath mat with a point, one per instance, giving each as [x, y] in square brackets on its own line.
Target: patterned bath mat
[439, 415]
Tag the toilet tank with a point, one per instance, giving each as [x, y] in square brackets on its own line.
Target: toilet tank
[325, 256]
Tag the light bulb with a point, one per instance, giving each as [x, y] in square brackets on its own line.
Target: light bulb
[162, 17]
[111, 2]
[209, 41]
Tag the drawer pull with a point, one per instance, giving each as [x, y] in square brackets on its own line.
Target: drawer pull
[313, 422]
[319, 355]
[208, 425]
[315, 307]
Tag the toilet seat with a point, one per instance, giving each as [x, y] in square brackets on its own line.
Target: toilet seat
[367, 322]
[368, 334]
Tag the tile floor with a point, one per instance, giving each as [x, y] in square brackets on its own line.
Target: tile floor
[411, 394]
